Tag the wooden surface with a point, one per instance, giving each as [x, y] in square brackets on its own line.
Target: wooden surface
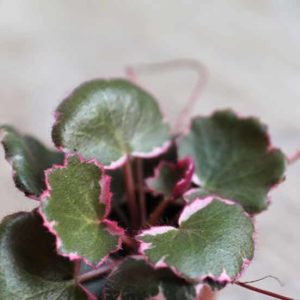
[251, 49]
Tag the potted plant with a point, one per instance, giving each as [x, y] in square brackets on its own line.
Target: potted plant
[128, 210]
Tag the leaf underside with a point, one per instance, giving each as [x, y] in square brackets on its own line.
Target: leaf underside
[29, 265]
[29, 159]
[212, 241]
[233, 158]
[108, 120]
[75, 210]
[134, 279]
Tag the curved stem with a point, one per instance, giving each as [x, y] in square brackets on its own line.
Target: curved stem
[261, 291]
[191, 64]
[294, 157]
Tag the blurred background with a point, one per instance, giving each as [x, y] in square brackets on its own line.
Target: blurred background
[250, 48]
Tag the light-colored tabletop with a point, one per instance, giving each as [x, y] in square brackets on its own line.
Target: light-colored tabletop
[250, 48]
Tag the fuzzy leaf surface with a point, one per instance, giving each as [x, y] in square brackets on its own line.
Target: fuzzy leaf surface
[172, 179]
[214, 240]
[30, 268]
[75, 208]
[134, 279]
[234, 158]
[29, 159]
[108, 120]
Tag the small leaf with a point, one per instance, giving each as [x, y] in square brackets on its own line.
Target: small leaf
[75, 207]
[29, 266]
[134, 279]
[234, 158]
[108, 120]
[29, 158]
[172, 179]
[214, 240]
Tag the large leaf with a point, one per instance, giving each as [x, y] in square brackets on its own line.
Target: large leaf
[234, 158]
[172, 179]
[29, 266]
[108, 120]
[214, 240]
[134, 279]
[29, 159]
[75, 207]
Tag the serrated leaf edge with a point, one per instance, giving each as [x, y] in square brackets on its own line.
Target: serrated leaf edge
[188, 211]
[156, 151]
[111, 226]
[270, 147]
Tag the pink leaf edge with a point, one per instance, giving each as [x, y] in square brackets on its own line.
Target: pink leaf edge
[187, 164]
[156, 151]
[187, 212]
[104, 198]
[269, 143]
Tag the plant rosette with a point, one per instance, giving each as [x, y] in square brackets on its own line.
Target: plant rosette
[125, 209]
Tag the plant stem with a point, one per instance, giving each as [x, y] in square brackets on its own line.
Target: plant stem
[140, 180]
[93, 274]
[130, 191]
[261, 291]
[206, 294]
[77, 266]
[175, 64]
[130, 242]
[154, 217]
[294, 157]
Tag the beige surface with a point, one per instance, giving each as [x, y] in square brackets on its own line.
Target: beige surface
[251, 49]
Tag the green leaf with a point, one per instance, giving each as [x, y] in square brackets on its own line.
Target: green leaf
[214, 240]
[29, 159]
[234, 158]
[108, 120]
[172, 179]
[29, 266]
[134, 279]
[75, 207]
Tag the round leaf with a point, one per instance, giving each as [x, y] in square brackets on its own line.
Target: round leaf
[234, 158]
[29, 266]
[108, 120]
[214, 240]
[134, 279]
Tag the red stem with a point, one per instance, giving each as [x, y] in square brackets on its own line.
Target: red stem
[130, 191]
[93, 274]
[154, 217]
[77, 266]
[294, 157]
[261, 291]
[206, 294]
[140, 187]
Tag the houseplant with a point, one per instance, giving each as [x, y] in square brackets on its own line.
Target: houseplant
[128, 210]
